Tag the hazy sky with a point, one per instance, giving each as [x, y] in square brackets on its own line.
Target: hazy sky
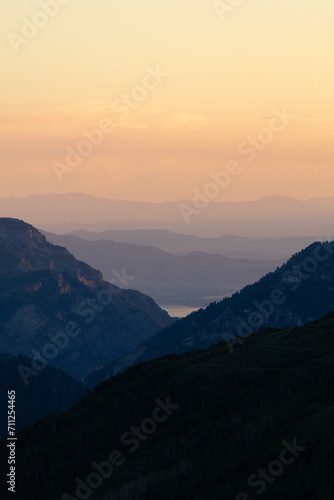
[198, 81]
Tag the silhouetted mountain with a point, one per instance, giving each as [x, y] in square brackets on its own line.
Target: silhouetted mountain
[194, 279]
[235, 247]
[200, 426]
[60, 311]
[299, 291]
[250, 228]
[272, 216]
[38, 394]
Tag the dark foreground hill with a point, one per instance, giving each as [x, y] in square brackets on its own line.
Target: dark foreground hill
[202, 426]
[299, 291]
[60, 311]
[49, 392]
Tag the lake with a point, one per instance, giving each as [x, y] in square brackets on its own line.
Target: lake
[179, 311]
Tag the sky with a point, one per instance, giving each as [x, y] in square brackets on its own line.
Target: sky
[143, 100]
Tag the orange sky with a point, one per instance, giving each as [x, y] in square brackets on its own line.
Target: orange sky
[196, 84]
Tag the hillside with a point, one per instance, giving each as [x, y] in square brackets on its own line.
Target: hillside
[40, 394]
[227, 417]
[299, 291]
[60, 311]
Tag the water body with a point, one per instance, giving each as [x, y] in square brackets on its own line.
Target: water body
[179, 311]
[182, 311]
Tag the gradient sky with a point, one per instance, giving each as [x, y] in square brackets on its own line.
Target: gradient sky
[225, 78]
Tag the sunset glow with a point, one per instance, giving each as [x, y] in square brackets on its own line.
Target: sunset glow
[181, 88]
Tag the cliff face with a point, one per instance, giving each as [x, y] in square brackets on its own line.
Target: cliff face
[60, 311]
[24, 249]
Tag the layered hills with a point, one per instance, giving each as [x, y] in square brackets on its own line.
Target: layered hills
[203, 425]
[299, 291]
[235, 247]
[194, 279]
[60, 311]
[272, 216]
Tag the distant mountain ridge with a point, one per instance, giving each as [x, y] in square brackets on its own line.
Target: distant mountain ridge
[301, 290]
[60, 310]
[88, 208]
[194, 279]
[268, 217]
[233, 246]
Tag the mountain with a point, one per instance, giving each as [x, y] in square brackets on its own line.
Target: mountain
[204, 425]
[38, 394]
[194, 279]
[87, 209]
[56, 309]
[275, 216]
[299, 291]
[324, 202]
[250, 228]
[235, 247]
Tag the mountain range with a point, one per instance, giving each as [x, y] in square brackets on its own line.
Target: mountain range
[213, 400]
[58, 310]
[275, 216]
[194, 279]
[299, 291]
[234, 247]
[203, 426]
